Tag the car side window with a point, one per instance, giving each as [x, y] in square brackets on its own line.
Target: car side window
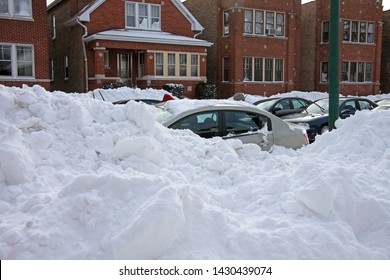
[243, 122]
[299, 103]
[283, 105]
[364, 105]
[204, 124]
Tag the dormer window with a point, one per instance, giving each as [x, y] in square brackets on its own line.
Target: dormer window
[143, 16]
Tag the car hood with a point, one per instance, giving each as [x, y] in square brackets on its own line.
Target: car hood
[298, 118]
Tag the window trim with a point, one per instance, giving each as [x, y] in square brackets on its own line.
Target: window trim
[226, 22]
[366, 73]
[266, 30]
[14, 62]
[249, 69]
[137, 16]
[348, 32]
[176, 66]
[11, 11]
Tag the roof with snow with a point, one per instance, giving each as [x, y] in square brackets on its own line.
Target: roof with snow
[155, 37]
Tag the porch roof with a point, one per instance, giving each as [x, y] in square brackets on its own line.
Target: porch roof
[142, 36]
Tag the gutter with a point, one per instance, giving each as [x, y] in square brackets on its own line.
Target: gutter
[84, 52]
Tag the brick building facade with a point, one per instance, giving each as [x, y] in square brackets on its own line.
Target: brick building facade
[256, 48]
[24, 44]
[385, 62]
[139, 43]
[360, 46]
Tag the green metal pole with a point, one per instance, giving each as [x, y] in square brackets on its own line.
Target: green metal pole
[334, 62]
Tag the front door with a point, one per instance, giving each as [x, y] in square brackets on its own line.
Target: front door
[124, 68]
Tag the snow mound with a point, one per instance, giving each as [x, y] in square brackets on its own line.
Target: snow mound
[81, 178]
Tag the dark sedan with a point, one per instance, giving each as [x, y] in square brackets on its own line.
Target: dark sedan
[283, 105]
[315, 117]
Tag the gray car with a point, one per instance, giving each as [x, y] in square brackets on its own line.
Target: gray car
[235, 121]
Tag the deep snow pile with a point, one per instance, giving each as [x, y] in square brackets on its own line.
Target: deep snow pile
[83, 179]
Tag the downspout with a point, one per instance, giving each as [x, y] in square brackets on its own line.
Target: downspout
[84, 53]
[200, 33]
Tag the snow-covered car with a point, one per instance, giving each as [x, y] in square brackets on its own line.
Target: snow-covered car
[316, 116]
[282, 106]
[233, 121]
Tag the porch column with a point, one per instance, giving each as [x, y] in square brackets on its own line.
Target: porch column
[99, 70]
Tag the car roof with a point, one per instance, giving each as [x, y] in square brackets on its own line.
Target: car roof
[197, 107]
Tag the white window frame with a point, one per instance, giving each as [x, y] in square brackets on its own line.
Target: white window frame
[252, 26]
[251, 66]
[66, 67]
[226, 22]
[368, 33]
[53, 27]
[150, 19]
[14, 61]
[192, 65]
[12, 9]
[355, 78]
[106, 59]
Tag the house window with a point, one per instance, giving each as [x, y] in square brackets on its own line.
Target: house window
[248, 21]
[66, 68]
[16, 61]
[53, 27]
[356, 72]
[141, 64]
[5, 60]
[183, 64]
[358, 32]
[159, 64]
[268, 71]
[324, 72]
[143, 16]
[226, 27]
[247, 69]
[278, 70]
[171, 64]
[24, 62]
[16, 8]
[259, 22]
[325, 32]
[194, 65]
[263, 69]
[177, 64]
[226, 68]
[106, 60]
[258, 69]
[51, 70]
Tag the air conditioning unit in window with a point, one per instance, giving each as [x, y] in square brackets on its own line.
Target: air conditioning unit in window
[271, 31]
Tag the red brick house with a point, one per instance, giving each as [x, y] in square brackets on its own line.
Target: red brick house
[361, 30]
[23, 43]
[142, 44]
[256, 44]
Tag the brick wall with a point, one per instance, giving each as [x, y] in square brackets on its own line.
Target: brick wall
[385, 70]
[236, 46]
[308, 47]
[32, 32]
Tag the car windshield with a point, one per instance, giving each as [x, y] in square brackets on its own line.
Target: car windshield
[266, 105]
[318, 107]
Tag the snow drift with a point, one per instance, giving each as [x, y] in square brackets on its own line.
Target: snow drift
[84, 179]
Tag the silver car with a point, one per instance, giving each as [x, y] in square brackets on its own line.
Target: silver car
[234, 121]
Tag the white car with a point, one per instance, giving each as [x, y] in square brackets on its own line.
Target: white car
[229, 121]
